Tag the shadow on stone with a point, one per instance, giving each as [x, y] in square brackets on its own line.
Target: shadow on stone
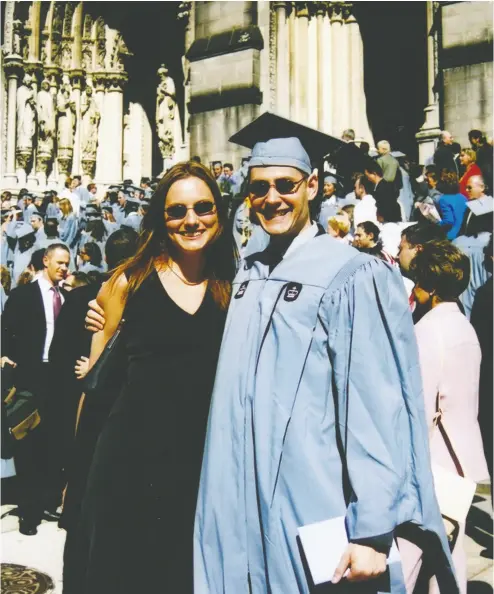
[480, 527]
[479, 588]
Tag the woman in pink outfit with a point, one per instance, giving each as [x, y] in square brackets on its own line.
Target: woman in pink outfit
[450, 362]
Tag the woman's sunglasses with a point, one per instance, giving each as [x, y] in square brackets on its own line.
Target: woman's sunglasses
[202, 209]
[283, 185]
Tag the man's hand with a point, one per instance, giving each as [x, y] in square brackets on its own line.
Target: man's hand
[81, 367]
[363, 563]
[6, 360]
[95, 317]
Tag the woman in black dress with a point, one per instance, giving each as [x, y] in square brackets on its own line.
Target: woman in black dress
[135, 532]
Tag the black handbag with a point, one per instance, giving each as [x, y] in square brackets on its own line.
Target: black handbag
[102, 372]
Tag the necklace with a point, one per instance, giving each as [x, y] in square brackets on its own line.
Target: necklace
[186, 282]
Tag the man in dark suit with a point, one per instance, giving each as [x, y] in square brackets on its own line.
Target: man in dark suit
[28, 324]
[444, 156]
[385, 194]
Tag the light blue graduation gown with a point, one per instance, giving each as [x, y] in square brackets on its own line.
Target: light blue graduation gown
[473, 247]
[68, 229]
[317, 357]
[40, 239]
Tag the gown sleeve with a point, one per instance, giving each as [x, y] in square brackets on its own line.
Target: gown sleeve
[377, 391]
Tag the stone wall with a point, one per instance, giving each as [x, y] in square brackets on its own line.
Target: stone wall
[465, 57]
[225, 77]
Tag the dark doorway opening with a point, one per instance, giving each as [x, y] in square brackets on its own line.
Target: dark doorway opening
[395, 69]
[154, 36]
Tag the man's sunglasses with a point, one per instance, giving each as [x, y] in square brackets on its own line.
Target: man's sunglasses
[259, 188]
[202, 209]
[469, 187]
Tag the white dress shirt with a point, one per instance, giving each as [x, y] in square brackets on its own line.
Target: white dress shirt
[47, 295]
[365, 210]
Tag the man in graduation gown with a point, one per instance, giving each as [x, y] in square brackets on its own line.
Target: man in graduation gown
[317, 410]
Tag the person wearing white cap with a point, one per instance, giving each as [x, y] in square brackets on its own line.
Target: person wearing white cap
[317, 410]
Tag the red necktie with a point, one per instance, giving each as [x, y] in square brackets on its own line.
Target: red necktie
[57, 302]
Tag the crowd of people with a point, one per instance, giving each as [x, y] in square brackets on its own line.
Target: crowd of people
[289, 345]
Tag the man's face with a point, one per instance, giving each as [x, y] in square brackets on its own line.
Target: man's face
[227, 171]
[475, 142]
[27, 201]
[282, 214]
[57, 265]
[448, 138]
[93, 190]
[217, 169]
[361, 239]
[475, 189]
[36, 223]
[381, 150]
[74, 184]
[121, 199]
[406, 254]
[328, 189]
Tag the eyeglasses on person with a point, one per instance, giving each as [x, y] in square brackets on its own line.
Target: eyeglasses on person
[201, 208]
[283, 185]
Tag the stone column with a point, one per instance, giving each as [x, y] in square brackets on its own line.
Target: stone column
[76, 76]
[292, 67]
[339, 50]
[13, 71]
[358, 104]
[113, 140]
[302, 33]
[430, 131]
[327, 86]
[186, 13]
[312, 117]
[35, 69]
[282, 60]
[34, 37]
[54, 75]
[99, 81]
[322, 66]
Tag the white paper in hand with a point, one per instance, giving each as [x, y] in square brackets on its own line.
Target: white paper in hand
[324, 544]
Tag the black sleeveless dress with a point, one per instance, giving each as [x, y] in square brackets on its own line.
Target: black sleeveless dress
[136, 527]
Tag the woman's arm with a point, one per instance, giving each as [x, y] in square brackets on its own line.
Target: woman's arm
[111, 299]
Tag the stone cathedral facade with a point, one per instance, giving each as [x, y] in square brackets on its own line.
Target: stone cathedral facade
[71, 103]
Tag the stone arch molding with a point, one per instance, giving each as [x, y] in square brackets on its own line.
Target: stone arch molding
[52, 52]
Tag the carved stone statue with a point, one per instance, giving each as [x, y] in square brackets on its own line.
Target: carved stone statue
[66, 117]
[26, 114]
[166, 112]
[45, 107]
[90, 123]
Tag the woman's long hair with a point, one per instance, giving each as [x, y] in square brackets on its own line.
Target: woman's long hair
[153, 239]
[66, 207]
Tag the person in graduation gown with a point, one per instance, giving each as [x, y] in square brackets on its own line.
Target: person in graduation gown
[68, 226]
[37, 224]
[317, 409]
[24, 249]
[330, 204]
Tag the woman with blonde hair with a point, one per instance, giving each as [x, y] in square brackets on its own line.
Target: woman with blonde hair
[68, 226]
[173, 295]
[339, 227]
[468, 158]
